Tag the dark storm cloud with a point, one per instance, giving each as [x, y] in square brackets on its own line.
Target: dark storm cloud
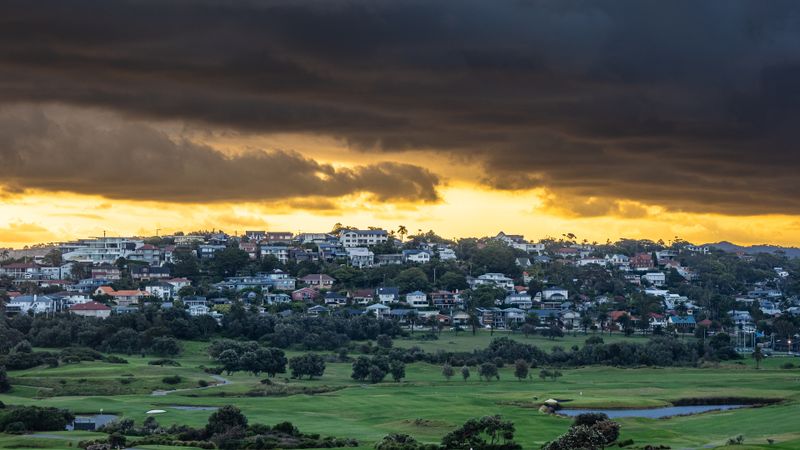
[691, 105]
[127, 160]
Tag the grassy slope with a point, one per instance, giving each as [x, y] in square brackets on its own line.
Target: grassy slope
[368, 412]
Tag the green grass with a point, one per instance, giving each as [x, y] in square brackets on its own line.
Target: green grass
[427, 406]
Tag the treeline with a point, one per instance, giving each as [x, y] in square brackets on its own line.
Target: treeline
[23, 419]
[155, 331]
[658, 351]
[227, 428]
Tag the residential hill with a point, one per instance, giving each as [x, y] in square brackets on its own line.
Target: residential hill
[792, 252]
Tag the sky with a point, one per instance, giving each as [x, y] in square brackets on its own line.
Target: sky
[632, 118]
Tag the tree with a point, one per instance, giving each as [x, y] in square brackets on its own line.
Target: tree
[521, 369]
[376, 374]
[5, 386]
[309, 364]
[553, 332]
[185, 263]
[53, 258]
[116, 440]
[398, 370]
[360, 368]
[465, 373]
[488, 371]
[228, 261]
[412, 279]
[273, 360]
[586, 323]
[396, 441]
[758, 356]
[588, 431]
[384, 341]
[230, 360]
[165, 346]
[402, 231]
[452, 280]
[486, 433]
[225, 418]
[528, 329]
[448, 371]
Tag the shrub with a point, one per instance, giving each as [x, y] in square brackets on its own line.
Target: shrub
[164, 362]
[111, 359]
[174, 379]
[16, 428]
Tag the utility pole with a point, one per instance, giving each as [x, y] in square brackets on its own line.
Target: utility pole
[157, 231]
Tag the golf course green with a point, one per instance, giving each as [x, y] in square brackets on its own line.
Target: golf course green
[424, 404]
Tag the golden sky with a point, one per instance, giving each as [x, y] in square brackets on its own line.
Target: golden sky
[465, 207]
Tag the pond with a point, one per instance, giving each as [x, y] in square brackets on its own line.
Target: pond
[91, 423]
[651, 413]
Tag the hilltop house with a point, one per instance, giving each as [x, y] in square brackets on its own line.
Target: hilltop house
[387, 295]
[417, 299]
[318, 280]
[91, 309]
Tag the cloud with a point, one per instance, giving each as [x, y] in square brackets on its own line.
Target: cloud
[694, 106]
[134, 161]
[23, 232]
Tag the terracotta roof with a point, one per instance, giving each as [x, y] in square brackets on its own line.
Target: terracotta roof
[89, 306]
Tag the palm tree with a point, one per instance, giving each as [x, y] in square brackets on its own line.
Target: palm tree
[586, 322]
[402, 231]
[758, 356]
[602, 317]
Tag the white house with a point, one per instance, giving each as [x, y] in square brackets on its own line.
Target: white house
[416, 256]
[655, 278]
[199, 310]
[388, 295]
[417, 299]
[555, 293]
[35, 304]
[162, 290]
[360, 257]
[281, 252]
[379, 310]
[447, 254]
[498, 279]
[361, 238]
[519, 300]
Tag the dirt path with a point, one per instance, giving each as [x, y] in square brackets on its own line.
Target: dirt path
[221, 382]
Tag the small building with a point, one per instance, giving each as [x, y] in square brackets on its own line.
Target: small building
[91, 309]
[417, 299]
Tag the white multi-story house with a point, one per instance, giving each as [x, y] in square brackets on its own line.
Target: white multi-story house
[162, 290]
[281, 252]
[361, 238]
[416, 256]
[360, 256]
[35, 304]
[100, 249]
[655, 278]
[519, 300]
[555, 294]
[518, 241]
[447, 254]
[206, 251]
[498, 279]
[417, 299]
[388, 295]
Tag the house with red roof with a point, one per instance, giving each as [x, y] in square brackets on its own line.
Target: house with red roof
[91, 309]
